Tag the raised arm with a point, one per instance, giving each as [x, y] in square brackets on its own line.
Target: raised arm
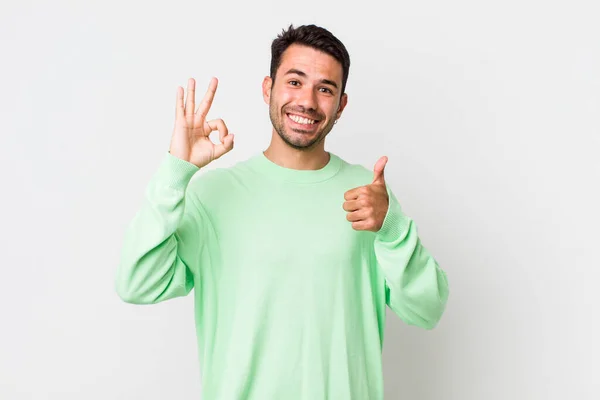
[416, 286]
[162, 243]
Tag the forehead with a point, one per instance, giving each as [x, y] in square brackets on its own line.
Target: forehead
[316, 64]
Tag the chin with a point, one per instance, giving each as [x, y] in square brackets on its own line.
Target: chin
[305, 141]
[298, 140]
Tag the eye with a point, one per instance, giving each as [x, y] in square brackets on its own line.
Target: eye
[327, 90]
[294, 83]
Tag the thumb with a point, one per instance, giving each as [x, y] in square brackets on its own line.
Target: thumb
[378, 176]
[225, 146]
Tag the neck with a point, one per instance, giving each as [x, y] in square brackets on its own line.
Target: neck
[286, 156]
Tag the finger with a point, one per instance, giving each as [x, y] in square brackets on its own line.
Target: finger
[218, 124]
[378, 176]
[224, 137]
[179, 111]
[352, 194]
[359, 215]
[225, 146]
[351, 205]
[191, 94]
[360, 225]
[207, 101]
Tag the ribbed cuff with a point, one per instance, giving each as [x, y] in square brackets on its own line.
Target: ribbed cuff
[175, 172]
[395, 222]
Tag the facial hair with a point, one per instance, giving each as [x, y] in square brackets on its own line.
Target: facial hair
[297, 140]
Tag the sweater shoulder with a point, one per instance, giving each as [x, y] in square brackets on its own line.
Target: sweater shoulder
[357, 173]
[217, 181]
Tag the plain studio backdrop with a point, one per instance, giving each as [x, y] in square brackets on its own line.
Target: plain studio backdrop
[488, 112]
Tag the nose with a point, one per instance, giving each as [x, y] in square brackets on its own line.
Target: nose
[307, 98]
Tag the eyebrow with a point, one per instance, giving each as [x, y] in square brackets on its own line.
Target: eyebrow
[303, 74]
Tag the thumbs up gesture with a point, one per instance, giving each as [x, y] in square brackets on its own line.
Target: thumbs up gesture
[367, 205]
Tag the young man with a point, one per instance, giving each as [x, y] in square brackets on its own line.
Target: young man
[293, 253]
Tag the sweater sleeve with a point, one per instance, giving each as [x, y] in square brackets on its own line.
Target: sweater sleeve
[416, 287]
[161, 243]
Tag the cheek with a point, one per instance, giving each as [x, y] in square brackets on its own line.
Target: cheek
[284, 97]
[329, 107]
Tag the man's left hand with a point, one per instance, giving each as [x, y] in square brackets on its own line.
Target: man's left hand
[367, 205]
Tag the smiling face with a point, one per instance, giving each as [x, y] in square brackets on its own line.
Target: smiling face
[305, 98]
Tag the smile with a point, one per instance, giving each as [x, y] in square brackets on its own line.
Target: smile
[301, 120]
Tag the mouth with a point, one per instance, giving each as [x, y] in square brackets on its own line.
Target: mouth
[302, 122]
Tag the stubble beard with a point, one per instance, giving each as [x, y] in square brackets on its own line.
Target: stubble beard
[296, 140]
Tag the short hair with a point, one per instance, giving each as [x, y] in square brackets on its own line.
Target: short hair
[312, 36]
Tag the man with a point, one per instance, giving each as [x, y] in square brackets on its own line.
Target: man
[293, 253]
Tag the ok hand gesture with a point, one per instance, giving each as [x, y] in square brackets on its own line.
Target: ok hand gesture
[190, 140]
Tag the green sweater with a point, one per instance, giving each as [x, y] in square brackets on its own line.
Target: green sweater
[289, 298]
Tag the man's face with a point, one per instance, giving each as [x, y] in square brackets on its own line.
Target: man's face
[305, 98]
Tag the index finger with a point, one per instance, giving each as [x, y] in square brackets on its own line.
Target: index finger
[352, 194]
[208, 98]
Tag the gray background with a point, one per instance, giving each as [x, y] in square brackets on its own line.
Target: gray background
[488, 112]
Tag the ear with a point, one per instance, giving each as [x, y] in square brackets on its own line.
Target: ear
[266, 89]
[343, 103]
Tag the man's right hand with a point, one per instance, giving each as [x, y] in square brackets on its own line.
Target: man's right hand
[190, 140]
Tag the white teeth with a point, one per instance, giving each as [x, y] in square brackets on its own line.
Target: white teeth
[301, 120]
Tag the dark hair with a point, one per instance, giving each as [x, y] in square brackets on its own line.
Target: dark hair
[313, 36]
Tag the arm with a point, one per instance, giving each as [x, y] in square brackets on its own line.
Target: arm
[416, 287]
[162, 242]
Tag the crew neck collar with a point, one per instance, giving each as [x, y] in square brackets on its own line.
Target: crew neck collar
[275, 171]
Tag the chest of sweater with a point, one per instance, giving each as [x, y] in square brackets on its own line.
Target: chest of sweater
[289, 234]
